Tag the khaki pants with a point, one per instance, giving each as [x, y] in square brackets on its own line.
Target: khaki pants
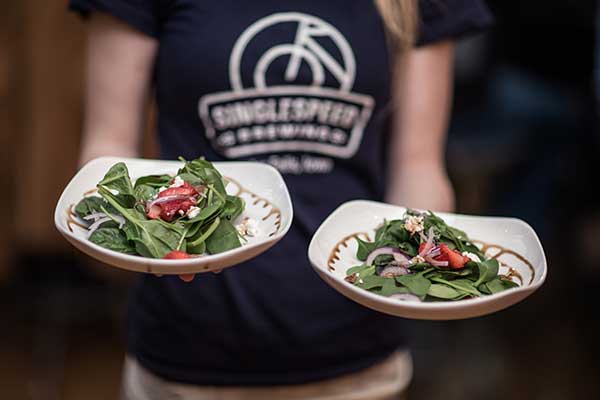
[384, 381]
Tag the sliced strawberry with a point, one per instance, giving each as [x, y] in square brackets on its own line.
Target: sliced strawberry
[177, 255]
[184, 190]
[177, 207]
[154, 212]
[180, 255]
[454, 258]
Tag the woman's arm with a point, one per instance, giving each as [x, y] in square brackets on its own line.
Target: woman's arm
[422, 95]
[119, 65]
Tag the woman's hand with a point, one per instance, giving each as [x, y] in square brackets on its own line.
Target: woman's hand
[187, 277]
[422, 92]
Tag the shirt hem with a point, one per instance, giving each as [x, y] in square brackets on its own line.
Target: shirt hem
[249, 378]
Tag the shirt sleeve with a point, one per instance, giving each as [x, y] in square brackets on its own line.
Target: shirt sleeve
[446, 19]
[143, 15]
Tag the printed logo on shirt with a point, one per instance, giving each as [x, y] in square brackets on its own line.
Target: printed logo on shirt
[285, 117]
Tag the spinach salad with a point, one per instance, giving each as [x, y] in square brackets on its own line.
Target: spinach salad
[420, 258]
[163, 216]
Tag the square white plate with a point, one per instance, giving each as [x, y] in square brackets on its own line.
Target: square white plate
[513, 242]
[260, 185]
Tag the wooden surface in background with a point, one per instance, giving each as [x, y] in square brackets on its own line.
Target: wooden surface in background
[53, 70]
[42, 48]
[10, 98]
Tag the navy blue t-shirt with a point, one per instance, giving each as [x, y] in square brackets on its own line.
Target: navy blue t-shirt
[304, 86]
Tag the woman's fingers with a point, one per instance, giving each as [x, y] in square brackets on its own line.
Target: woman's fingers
[187, 277]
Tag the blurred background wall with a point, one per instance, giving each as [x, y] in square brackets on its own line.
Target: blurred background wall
[523, 142]
[60, 313]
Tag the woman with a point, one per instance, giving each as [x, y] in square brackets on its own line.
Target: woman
[305, 86]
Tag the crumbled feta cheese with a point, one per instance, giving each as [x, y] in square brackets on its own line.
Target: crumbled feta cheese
[248, 227]
[472, 256]
[193, 212]
[361, 281]
[162, 189]
[417, 260]
[414, 224]
[181, 212]
[177, 182]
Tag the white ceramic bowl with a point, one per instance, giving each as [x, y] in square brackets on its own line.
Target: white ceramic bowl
[262, 187]
[512, 241]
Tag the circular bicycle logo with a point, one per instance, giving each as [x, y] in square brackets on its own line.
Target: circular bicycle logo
[304, 48]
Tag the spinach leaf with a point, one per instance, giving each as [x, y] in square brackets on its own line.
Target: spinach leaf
[498, 285]
[508, 284]
[194, 228]
[368, 272]
[372, 281]
[457, 233]
[419, 267]
[483, 288]
[225, 237]
[191, 179]
[408, 248]
[397, 231]
[488, 270]
[389, 288]
[117, 180]
[207, 173]
[416, 283]
[207, 212]
[233, 207]
[197, 244]
[495, 286]
[154, 181]
[471, 248]
[356, 269]
[364, 249]
[382, 260]
[144, 192]
[89, 205]
[443, 292]
[448, 274]
[112, 239]
[462, 285]
[152, 238]
[382, 230]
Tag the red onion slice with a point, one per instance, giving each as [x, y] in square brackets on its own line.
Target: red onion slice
[166, 199]
[392, 251]
[95, 216]
[391, 271]
[429, 244]
[92, 228]
[401, 259]
[434, 252]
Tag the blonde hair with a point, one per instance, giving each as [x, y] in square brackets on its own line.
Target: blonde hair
[400, 19]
